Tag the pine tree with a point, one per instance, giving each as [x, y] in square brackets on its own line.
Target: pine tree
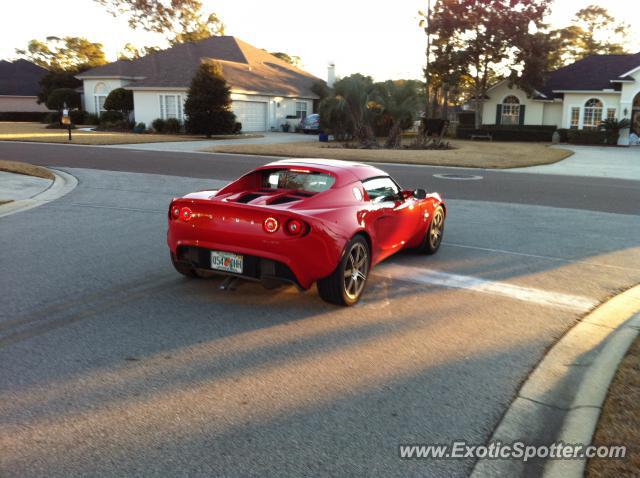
[208, 105]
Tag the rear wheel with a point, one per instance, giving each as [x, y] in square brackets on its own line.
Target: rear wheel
[182, 267]
[434, 234]
[346, 284]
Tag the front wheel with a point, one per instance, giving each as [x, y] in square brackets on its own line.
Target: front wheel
[433, 237]
[346, 284]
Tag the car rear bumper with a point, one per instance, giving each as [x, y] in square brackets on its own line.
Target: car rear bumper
[301, 260]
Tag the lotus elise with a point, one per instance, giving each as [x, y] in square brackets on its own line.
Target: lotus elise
[303, 221]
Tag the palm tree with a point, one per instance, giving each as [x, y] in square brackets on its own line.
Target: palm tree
[352, 97]
[399, 103]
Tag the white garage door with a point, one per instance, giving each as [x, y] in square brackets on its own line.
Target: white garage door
[252, 115]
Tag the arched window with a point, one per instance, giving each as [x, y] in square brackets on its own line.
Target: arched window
[100, 93]
[592, 113]
[510, 110]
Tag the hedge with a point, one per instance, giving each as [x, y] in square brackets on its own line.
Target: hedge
[27, 116]
[534, 133]
[586, 136]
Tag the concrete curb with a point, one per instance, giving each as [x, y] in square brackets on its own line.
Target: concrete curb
[63, 184]
[563, 397]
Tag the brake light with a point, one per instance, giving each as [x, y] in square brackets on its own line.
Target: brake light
[294, 227]
[185, 214]
[271, 224]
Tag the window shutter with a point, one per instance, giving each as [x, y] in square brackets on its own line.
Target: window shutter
[498, 113]
[161, 106]
[521, 121]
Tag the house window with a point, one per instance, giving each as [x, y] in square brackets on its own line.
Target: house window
[301, 109]
[575, 117]
[510, 111]
[99, 103]
[611, 113]
[592, 113]
[171, 107]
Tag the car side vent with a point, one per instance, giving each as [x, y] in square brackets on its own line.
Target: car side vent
[284, 199]
[303, 194]
[248, 197]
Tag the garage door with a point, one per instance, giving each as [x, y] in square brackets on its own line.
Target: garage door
[252, 115]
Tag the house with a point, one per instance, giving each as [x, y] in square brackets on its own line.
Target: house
[577, 96]
[265, 90]
[20, 85]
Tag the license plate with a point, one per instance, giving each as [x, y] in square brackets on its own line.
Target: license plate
[226, 261]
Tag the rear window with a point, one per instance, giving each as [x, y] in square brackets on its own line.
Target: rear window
[297, 179]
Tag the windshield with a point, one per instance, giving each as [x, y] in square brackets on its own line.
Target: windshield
[297, 179]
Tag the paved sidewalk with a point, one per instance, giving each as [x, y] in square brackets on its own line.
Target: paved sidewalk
[593, 161]
[194, 146]
[16, 187]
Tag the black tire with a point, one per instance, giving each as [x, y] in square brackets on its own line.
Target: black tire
[347, 283]
[183, 268]
[433, 237]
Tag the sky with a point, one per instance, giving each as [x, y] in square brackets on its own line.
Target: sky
[380, 38]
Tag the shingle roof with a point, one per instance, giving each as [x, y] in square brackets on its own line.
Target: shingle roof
[591, 73]
[245, 67]
[20, 78]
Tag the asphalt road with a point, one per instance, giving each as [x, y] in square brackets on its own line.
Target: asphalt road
[599, 194]
[111, 364]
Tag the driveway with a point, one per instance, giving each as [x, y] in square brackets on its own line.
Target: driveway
[193, 146]
[594, 161]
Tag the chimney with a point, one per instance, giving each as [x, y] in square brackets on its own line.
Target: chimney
[331, 74]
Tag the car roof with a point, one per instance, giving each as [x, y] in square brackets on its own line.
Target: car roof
[341, 169]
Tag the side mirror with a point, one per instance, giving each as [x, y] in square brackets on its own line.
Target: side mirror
[419, 194]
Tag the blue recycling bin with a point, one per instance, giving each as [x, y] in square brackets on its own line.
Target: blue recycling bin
[323, 137]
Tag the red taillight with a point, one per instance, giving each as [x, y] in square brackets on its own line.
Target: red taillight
[185, 214]
[175, 212]
[271, 224]
[294, 227]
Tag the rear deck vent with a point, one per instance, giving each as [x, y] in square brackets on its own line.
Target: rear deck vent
[284, 199]
[248, 197]
[303, 194]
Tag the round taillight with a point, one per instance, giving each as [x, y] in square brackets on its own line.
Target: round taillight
[271, 224]
[294, 227]
[175, 212]
[185, 214]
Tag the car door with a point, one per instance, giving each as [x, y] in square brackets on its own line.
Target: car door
[387, 215]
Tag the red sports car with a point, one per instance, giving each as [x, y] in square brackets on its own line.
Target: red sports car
[303, 221]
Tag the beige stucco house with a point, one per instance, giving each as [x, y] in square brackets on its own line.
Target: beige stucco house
[577, 96]
[266, 92]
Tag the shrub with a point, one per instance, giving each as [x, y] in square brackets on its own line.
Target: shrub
[158, 125]
[237, 127]
[172, 126]
[526, 133]
[118, 125]
[63, 96]
[23, 116]
[120, 100]
[77, 116]
[208, 105]
[140, 128]
[110, 116]
[53, 117]
[90, 118]
[587, 136]
[612, 127]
